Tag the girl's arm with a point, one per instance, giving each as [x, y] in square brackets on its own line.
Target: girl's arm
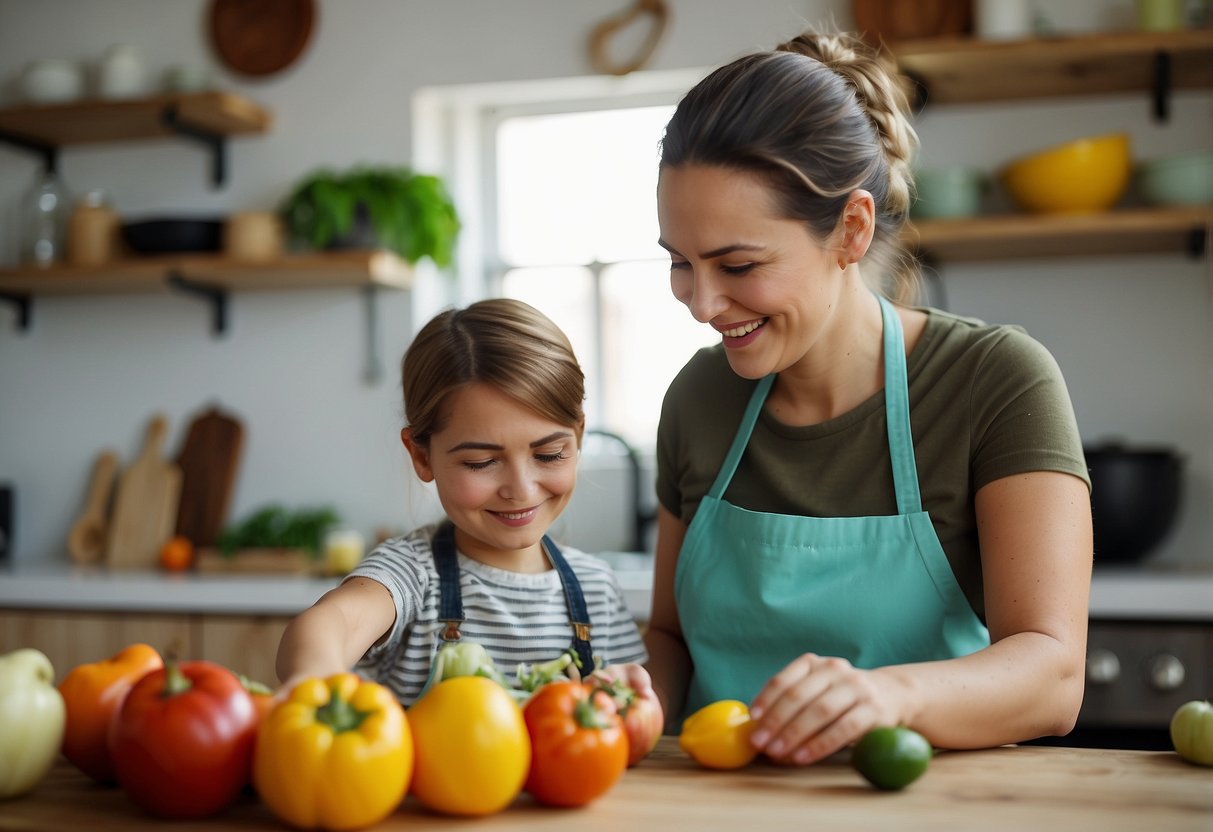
[669, 663]
[1035, 535]
[332, 634]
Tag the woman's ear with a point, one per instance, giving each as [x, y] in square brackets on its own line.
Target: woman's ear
[857, 226]
[420, 454]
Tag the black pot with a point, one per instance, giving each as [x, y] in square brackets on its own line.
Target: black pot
[1135, 496]
[174, 235]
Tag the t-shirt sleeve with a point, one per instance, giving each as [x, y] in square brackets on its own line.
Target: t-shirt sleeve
[399, 567]
[1023, 418]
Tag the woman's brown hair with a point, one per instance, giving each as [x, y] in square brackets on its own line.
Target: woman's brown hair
[818, 117]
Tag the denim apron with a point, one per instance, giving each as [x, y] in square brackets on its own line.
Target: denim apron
[450, 599]
[755, 590]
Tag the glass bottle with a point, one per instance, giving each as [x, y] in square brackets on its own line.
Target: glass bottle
[44, 220]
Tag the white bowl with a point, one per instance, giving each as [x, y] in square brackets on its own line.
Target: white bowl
[52, 81]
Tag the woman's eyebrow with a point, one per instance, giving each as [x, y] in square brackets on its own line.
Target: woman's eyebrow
[716, 252]
[489, 446]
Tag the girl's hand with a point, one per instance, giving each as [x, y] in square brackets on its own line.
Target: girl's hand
[632, 675]
[818, 705]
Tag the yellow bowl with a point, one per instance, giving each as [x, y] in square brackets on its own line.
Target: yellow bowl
[1079, 177]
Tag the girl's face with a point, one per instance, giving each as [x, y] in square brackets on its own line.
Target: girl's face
[761, 280]
[503, 473]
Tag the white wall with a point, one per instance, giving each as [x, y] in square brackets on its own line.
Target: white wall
[1133, 335]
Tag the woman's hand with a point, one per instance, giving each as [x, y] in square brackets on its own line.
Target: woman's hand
[818, 705]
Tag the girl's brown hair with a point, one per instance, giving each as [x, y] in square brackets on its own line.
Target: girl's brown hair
[819, 117]
[503, 342]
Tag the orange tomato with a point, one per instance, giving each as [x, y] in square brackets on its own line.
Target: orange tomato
[579, 745]
[93, 693]
[177, 554]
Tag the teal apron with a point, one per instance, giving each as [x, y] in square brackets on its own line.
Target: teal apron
[756, 590]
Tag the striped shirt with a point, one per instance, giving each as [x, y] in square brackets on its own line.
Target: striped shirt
[517, 617]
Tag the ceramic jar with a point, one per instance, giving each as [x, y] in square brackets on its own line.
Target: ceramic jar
[93, 231]
[253, 235]
[121, 73]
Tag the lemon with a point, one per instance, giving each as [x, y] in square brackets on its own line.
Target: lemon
[891, 758]
[718, 735]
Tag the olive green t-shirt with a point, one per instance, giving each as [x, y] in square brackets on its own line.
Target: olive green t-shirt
[986, 402]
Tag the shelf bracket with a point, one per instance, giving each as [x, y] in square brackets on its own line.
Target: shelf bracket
[48, 152]
[215, 294]
[214, 142]
[23, 305]
[1198, 241]
[1162, 86]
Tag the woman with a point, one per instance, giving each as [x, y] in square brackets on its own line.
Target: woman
[870, 513]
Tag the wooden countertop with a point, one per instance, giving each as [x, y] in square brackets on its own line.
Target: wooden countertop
[1012, 788]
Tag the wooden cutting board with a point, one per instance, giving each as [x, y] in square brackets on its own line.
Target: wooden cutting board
[86, 540]
[145, 505]
[209, 460]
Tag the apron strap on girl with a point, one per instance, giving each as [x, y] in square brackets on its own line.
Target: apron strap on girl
[450, 599]
[579, 614]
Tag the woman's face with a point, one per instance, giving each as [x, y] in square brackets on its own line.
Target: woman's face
[759, 279]
[503, 472]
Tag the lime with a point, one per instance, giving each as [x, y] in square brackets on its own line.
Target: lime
[891, 758]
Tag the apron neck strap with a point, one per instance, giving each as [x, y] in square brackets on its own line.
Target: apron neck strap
[450, 597]
[897, 412]
[897, 415]
[742, 438]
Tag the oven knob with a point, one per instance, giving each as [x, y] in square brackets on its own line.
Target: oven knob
[1103, 668]
[1166, 672]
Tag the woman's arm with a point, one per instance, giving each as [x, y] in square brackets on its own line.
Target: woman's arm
[1035, 535]
[1036, 554]
[332, 634]
[669, 663]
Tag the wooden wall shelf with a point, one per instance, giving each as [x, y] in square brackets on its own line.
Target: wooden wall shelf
[205, 117]
[212, 276]
[955, 71]
[1021, 236]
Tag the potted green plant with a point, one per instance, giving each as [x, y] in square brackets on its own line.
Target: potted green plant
[374, 207]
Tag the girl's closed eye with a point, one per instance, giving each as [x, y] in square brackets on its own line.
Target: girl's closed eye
[556, 456]
[679, 264]
[738, 269]
[478, 464]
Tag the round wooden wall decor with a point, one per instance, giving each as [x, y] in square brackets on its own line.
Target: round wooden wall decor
[261, 37]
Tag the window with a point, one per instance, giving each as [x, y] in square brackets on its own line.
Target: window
[556, 182]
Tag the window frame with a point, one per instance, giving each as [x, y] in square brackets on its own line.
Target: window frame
[454, 131]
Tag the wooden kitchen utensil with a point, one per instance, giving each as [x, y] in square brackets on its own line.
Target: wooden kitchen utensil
[145, 506]
[209, 459]
[86, 540]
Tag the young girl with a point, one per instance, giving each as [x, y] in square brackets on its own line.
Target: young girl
[493, 399]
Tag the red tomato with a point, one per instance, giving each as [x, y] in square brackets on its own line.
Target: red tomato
[182, 742]
[578, 744]
[643, 718]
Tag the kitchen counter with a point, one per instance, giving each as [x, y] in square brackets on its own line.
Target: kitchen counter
[1011, 788]
[1120, 593]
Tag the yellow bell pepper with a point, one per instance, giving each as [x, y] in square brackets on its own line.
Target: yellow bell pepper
[336, 754]
[32, 716]
[718, 735]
